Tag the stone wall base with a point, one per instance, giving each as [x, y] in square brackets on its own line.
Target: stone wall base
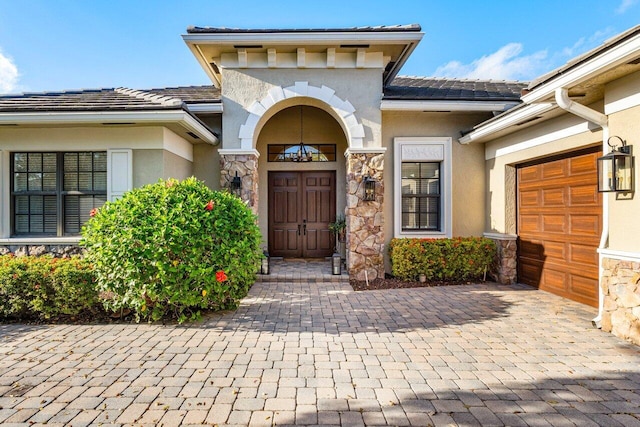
[506, 268]
[246, 167]
[621, 288]
[58, 251]
[365, 218]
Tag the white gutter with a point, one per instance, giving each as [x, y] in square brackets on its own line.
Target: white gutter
[562, 98]
[590, 115]
[429, 106]
[179, 117]
[511, 119]
[209, 107]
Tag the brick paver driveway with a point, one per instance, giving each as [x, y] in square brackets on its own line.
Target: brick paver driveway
[323, 354]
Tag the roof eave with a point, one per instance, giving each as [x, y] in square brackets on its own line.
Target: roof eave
[160, 117]
[446, 105]
[623, 51]
[410, 38]
[524, 113]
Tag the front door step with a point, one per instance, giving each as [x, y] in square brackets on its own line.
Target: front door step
[301, 270]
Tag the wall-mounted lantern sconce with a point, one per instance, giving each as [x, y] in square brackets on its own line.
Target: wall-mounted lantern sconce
[236, 185]
[369, 188]
[615, 170]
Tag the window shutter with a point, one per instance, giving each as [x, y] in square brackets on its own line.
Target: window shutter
[119, 173]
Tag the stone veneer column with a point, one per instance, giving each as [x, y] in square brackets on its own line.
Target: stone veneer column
[247, 167]
[621, 288]
[365, 219]
[507, 262]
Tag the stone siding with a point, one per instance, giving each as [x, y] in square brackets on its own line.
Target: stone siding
[621, 287]
[506, 268]
[365, 219]
[247, 167]
[58, 251]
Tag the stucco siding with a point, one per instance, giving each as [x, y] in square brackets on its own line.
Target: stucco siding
[176, 167]
[147, 167]
[624, 226]
[468, 186]
[243, 87]
[206, 165]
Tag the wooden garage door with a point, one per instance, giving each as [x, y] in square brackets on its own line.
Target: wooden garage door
[559, 226]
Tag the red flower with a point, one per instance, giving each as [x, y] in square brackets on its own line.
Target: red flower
[169, 183]
[93, 212]
[221, 276]
[209, 206]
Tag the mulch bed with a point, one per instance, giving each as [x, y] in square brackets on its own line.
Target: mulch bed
[394, 283]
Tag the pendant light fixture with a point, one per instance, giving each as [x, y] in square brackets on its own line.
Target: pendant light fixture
[303, 155]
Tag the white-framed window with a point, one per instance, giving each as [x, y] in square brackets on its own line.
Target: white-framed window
[48, 195]
[422, 187]
[52, 193]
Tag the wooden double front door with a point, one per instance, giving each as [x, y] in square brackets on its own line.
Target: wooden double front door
[301, 206]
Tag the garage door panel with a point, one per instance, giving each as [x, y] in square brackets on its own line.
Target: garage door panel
[530, 223]
[582, 164]
[559, 222]
[584, 224]
[582, 288]
[553, 197]
[531, 271]
[553, 169]
[554, 224]
[583, 254]
[553, 280]
[531, 249]
[555, 250]
[583, 195]
[529, 198]
[529, 175]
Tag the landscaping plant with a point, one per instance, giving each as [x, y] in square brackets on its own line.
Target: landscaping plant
[41, 288]
[172, 248]
[459, 258]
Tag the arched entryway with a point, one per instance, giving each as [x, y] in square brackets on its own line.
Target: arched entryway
[303, 185]
[364, 218]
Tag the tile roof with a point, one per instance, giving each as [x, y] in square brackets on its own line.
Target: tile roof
[430, 88]
[109, 99]
[190, 94]
[368, 29]
[121, 99]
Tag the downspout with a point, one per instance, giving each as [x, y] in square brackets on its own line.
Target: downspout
[593, 116]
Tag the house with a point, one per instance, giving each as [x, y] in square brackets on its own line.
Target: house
[309, 124]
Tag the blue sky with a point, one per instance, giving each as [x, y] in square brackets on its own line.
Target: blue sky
[49, 45]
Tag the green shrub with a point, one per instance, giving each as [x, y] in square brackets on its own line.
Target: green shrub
[460, 258]
[45, 287]
[172, 248]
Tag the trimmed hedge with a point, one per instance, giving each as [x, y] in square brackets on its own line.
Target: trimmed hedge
[460, 258]
[173, 248]
[45, 287]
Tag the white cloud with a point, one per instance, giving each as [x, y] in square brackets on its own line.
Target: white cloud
[504, 64]
[508, 63]
[8, 74]
[626, 4]
[586, 43]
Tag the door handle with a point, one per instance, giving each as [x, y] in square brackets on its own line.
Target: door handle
[304, 226]
[298, 229]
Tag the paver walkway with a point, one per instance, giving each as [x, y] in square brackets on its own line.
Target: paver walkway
[319, 353]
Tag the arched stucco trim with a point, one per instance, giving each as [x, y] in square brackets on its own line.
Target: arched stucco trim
[342, 110]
